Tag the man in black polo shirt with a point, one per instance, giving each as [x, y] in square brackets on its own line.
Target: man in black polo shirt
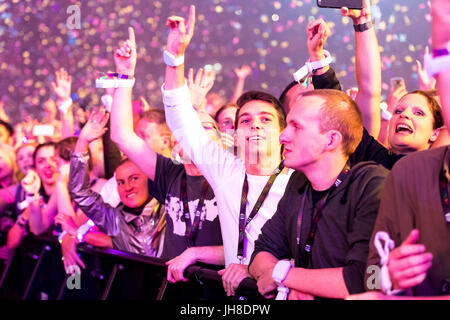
[330, 206]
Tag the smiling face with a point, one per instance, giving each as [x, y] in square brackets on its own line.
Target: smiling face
[46, 164]
[411, 125]
[258, 130]
[131, 185]
[226, 119]
[24, 158]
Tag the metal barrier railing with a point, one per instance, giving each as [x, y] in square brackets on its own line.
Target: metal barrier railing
[36, 272]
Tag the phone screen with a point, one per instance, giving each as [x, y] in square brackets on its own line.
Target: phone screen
[351, 4]
[397, 82]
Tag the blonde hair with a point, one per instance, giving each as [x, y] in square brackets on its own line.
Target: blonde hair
[9, 153]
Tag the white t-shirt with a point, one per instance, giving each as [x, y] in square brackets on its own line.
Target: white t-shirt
[225, 173]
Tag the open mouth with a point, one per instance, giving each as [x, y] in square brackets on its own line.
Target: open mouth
[131, 195]
[403, 128]
[255, 138]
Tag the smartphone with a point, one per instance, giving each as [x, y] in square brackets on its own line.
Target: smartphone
[351, 4]
[43, 130]
[397, 82]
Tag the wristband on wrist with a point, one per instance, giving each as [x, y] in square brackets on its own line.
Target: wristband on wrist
[114, 83]
[83, 230]
[22, 222]
[311, 66]
[279, 273]
[363, 26]
[171, 60]
[438, 61]
[64, 107]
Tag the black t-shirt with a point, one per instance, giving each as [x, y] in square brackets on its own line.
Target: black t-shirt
[369, 149]
[166, 188]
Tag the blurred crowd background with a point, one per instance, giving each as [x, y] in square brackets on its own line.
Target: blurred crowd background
[269, 36]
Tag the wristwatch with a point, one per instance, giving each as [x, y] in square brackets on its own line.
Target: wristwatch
[363, 26]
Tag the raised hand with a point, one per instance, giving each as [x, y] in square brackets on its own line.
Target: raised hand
[62, 85]
[358, 16]
[243, 72]
[426, 82]
[180, 33]
[95, 127]
[200, 86]
[125, 57]
[317, 32]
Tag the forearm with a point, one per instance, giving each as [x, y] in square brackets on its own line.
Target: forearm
[238, 90]
[327, 283]
[368, 77]
[210, 255]
[174, 77]
[15, 236]
[98, 163]
[98, 239]
[263, 263]
[64, 203]
[122, 117]
[67, 124]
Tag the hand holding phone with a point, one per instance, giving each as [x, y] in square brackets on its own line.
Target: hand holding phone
[351, 4]
[397, 82]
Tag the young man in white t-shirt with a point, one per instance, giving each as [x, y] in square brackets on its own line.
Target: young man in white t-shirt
[259, 122]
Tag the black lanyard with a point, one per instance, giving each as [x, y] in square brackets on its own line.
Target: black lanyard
[443, 186]
[244, 223]
[317, 214]
[192, 228]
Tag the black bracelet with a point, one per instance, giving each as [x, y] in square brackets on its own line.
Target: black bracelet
[363, 26]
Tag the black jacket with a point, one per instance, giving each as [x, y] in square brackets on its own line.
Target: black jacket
[343, 232]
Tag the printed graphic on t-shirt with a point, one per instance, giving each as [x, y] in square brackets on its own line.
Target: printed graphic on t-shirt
[174, 208]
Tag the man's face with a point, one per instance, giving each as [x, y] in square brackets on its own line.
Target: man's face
[150, 133]
[303, 142]
[258, 130]
[46, 165]
[131, 185]
[293, 94]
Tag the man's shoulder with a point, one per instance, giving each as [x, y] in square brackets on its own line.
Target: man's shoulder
[431, 158]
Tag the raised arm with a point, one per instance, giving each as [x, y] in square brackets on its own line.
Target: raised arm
[62, 89]
[122, 131]
[368, 68]
[241, 74]
[441, 40]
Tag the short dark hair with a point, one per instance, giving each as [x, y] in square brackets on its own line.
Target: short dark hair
[339, 112]
[42, 145]
[65, 147]
[7, 126]
[261, 96]
[435, 108]
[283, 95]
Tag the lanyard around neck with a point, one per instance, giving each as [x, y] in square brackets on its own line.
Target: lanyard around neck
[244, 222]
[305, 256]
[192, 228]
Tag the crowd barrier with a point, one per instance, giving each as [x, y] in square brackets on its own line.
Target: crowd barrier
[36, 272]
